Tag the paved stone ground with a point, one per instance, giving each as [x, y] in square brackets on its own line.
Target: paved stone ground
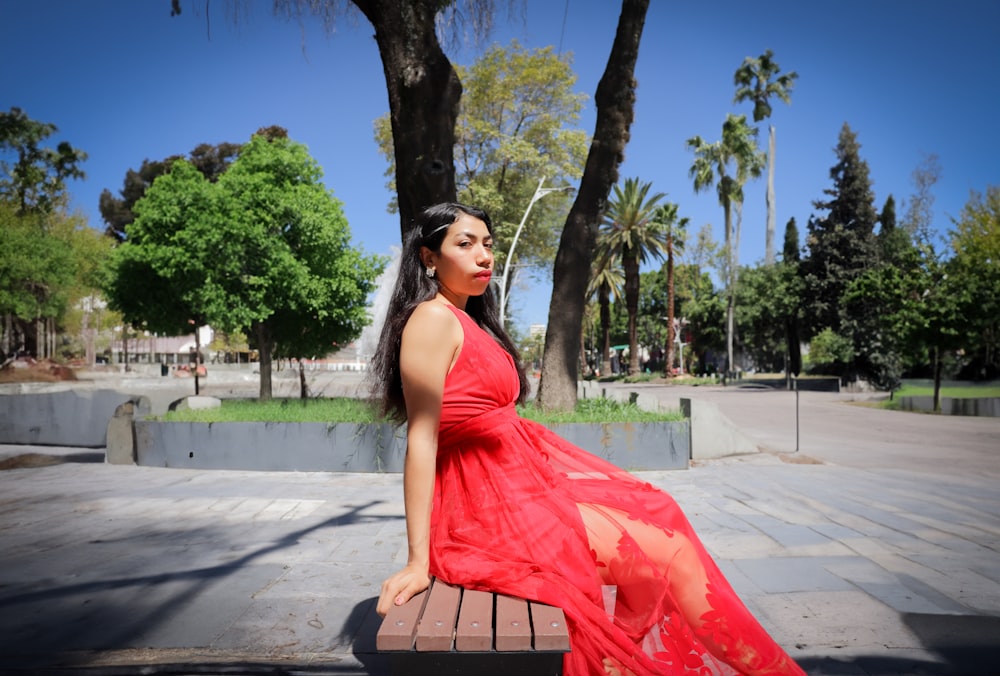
[863, 563]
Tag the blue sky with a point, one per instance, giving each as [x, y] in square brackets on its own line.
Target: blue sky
[124, 81]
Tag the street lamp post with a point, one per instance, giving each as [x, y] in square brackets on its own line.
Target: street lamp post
[540, 192]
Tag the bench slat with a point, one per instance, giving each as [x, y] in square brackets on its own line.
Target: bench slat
[436, 628]
[513, 627]
[549, 627]
[399, 627]
[474, 631]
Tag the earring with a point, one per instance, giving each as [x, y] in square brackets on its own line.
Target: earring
[429, 272]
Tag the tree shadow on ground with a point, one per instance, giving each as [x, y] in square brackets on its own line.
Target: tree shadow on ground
[31, 460]
[50, 648]
[968, 645]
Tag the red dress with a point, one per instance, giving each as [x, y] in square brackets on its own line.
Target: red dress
[508, 516]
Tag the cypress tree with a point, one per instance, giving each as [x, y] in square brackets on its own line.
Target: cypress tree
[841, 243]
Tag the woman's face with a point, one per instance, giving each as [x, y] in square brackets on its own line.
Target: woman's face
[464, 264]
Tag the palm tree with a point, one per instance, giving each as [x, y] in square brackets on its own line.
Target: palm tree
[631, 234]
[606, 282]
[674, 229]
[753, 83]
[736, 150]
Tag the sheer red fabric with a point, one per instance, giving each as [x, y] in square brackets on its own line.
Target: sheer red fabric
[520, 511]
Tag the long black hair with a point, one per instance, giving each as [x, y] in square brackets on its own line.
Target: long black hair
[413, 287]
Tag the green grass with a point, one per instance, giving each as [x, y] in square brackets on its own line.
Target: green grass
[952, 392]
[598, 411]
[357, 411]
[965, 392]
[341, 409]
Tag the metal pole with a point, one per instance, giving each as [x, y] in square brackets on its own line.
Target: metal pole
[796, 381]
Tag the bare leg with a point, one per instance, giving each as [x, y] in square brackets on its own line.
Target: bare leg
[645, 561]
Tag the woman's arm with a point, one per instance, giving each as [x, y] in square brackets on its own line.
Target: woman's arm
[431, 341]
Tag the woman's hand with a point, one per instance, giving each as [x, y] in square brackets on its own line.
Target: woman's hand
[401, 587]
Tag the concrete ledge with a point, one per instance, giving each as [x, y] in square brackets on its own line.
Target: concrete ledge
[61, 418]
[632, 446]
[987, 407]
[301, 447]
[713, 435]
[351, 447]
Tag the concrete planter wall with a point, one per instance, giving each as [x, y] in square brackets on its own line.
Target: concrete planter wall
[983, 406]
[69, 417]
[348, 447]
[300, 447]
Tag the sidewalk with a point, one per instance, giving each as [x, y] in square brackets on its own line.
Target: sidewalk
[104, 569]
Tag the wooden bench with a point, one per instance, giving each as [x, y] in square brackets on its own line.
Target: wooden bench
[450, 630]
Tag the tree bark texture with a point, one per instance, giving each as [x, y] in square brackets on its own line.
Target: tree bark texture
[265, 351]
[615, 101]
[604, 302]
[630, 264]
[424, 93]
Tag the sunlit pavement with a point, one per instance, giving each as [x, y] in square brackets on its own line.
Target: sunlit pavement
[872, 550]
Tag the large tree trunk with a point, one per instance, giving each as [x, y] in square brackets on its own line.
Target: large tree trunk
[769, 237]
[265, 350]
[604, 301]
[630, 264]
[424, 93]
[615, 100]
[197, 360]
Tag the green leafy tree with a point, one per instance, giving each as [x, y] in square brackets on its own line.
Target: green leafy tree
[728, 164]
[830, 351]
[35, 271]
[117, 212]
[876, 308]
[893, 242]
[975, 268]
[47, 264]
[265, 251]
[791, 259]
[769, 310]
[515, 126]
[424, 93]
[43, 250]
[757, 80]
[763, 304]
[703, 307]
[840, 243]
[33, 177]
[883, 312]
[631, 233]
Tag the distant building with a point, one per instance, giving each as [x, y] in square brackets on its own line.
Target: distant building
[536, 330]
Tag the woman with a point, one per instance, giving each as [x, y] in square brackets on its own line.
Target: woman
[499, 503]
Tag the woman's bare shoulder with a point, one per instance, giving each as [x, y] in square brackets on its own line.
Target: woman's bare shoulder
[433, 320]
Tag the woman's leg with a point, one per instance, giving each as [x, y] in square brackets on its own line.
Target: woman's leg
[647, 563]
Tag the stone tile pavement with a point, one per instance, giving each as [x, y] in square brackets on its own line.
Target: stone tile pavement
[105, 569]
